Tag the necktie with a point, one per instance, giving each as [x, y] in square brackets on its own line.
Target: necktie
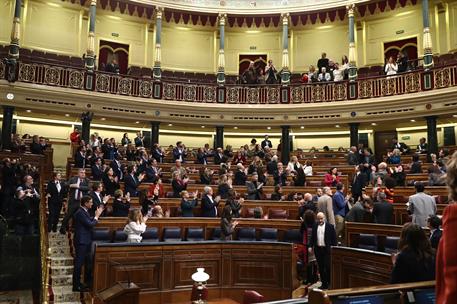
[79, 191]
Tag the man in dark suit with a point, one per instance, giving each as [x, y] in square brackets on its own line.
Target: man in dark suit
[139, 140]
[80, 157]
[404, 149]
[117, 168]
[353, 156]
[56, 192]
[383, 211]
[179, 152]
[97, 198]
[272, 166]
[323, 237]
[157, 153]
[97, 169]
[434, 224]
[82, 241]
[132, 181]
[266, 143]
[219, 156]
[358, 183]
[79, 187]
[254, 188]
[209, 204]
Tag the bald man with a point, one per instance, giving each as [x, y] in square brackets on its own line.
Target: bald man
[322, 238]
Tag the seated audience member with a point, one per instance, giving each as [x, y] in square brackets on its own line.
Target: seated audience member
[224, 186]
[136, 225]
[308, 168]
[436, 174]
[254, 188]
[219, 157]
[132, 181]
[399, 176]
[383, 211]
[110, 181]
[394, 157]
[239, 157]
[156, 189]
[179, 152]
[446, 266]
[234, 203]
[271, 73]
[353, 156]
[121, 204]
[206, 176]
[322, 62]
[240, 175]
[332, 178]
[306, 203]
[272, 165]
[188, 203]
[277, 193]
[227, 223]
[391, 67]
[208, 203]
[324, 76]
[404, 149]
[323, 236]
[389, 189]
[361, 211]
[416, 165]
[299, 177]
[250, 75]
[434, 224]
[157, 211]
[139, 140]
[421, 205]
[422, 147]
[228, 152]
[280, 175]
[178, 167]
[415, 262]
[178, 184]
[24, 213]
[338, 74]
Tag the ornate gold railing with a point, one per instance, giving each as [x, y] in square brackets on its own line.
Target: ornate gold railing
[44, 248]
[374, 87]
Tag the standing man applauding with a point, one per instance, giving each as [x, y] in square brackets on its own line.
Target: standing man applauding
[82, 241]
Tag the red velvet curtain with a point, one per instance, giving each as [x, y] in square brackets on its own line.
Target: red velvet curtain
[409, 46]
[109, 50]
[260, 61]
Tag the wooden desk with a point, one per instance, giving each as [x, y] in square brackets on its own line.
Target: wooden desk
[213, 301]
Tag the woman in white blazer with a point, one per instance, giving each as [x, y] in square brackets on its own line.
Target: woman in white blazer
[136, 225]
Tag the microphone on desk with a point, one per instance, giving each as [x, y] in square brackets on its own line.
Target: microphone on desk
[125, 269]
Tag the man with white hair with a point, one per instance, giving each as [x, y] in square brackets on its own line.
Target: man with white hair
[325, 205]
[240, 175]
[272, 166]
[323, 237]
[209, 204]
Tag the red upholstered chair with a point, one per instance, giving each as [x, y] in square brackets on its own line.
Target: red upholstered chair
[252, 296]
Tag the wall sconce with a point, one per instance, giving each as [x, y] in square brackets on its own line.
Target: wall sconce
[199, 290]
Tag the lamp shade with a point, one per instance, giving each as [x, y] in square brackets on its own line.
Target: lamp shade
[200, 276]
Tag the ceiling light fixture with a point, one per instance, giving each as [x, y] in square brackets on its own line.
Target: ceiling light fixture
[412, 120]
[67, 115]
[170, 125]
[10, 96]
[103, 118]
[28, 111]
[374, 124]
[337, 126]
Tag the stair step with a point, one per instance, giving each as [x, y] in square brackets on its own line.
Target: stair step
[61, 261]
[65, 294]
[60, 251]
[62, 270]
[61, 280]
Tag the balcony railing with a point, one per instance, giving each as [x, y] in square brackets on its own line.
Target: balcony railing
[411, 82]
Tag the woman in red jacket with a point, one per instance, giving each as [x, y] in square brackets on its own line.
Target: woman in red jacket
[446, 259]
[332, 178]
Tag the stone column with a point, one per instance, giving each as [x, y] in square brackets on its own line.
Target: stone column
[285, 74]
[352, 53]
[432, 136]
[155, 128]
[90, 52]
[221, 58]
[157, 70]
[86, 119]
[427, 38]
[7, 127]
[285, 145]
[13, 53]
[219, 139]
[354, 129]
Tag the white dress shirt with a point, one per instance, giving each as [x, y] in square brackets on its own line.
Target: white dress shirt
[321, 235]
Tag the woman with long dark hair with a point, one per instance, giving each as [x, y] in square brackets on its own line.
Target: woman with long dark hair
[416, 261]
[227, 223]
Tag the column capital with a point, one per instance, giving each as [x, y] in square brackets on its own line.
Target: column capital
[93, 3]
[354, 124]
[431, 117]
[350, 9]
[155, 123]
[222, 18]
[159, 12]
[285, 18]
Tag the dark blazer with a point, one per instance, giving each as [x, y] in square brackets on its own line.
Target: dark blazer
[158, 155]
[110, 186]
[252, 192]
[435, 238]
[23, 211]
[177, 154]
[202, 158]
[353, 158]
[138, 142]
[236, 207]
[187, 207]
[83, 187]
[177, 188]
[416, 167]
[358, 183]
[121, 209]
[131, 185]
[240, 178]
[56, 196]
[205, 179]
[117, 169]
[272, 167]
[97, 173]
[208, 207]
[280, 179]
[266, 142]
[83, 225]
[408, 268]
[223, 190]
[80, 161]
[383, 213]
[329, 236]
[36, 148]
[218, 159]
[97, 202]
[152, 175]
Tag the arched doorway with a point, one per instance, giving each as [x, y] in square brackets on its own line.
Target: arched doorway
[112, 50]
